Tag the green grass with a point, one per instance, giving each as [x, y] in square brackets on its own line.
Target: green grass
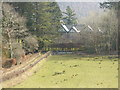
[72, 71]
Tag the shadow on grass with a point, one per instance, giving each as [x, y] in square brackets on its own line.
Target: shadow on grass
[66, 57]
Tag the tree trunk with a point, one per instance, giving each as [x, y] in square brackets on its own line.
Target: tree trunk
[10, 46]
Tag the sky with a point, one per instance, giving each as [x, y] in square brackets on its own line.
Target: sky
[57, 0]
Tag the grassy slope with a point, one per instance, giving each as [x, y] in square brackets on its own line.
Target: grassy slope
[80, 72]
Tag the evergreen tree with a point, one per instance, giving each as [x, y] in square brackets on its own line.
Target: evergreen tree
[43, 19]
[69, 17]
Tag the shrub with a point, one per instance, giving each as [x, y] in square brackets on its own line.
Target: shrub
[30, 44]
[18, 52]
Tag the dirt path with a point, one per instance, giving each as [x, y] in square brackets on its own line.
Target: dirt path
[29, 59]
[22, 77]
[14, 74]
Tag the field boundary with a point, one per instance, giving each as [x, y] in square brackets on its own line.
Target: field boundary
[23, 69]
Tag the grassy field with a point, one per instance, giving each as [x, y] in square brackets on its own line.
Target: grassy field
[72, 71]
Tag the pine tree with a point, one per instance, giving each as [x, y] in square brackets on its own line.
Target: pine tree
[43, 19]
[69, 17]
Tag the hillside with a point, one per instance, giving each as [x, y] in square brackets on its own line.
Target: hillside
[81, 9]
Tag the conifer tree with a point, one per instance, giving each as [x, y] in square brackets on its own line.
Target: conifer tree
[69, 17]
